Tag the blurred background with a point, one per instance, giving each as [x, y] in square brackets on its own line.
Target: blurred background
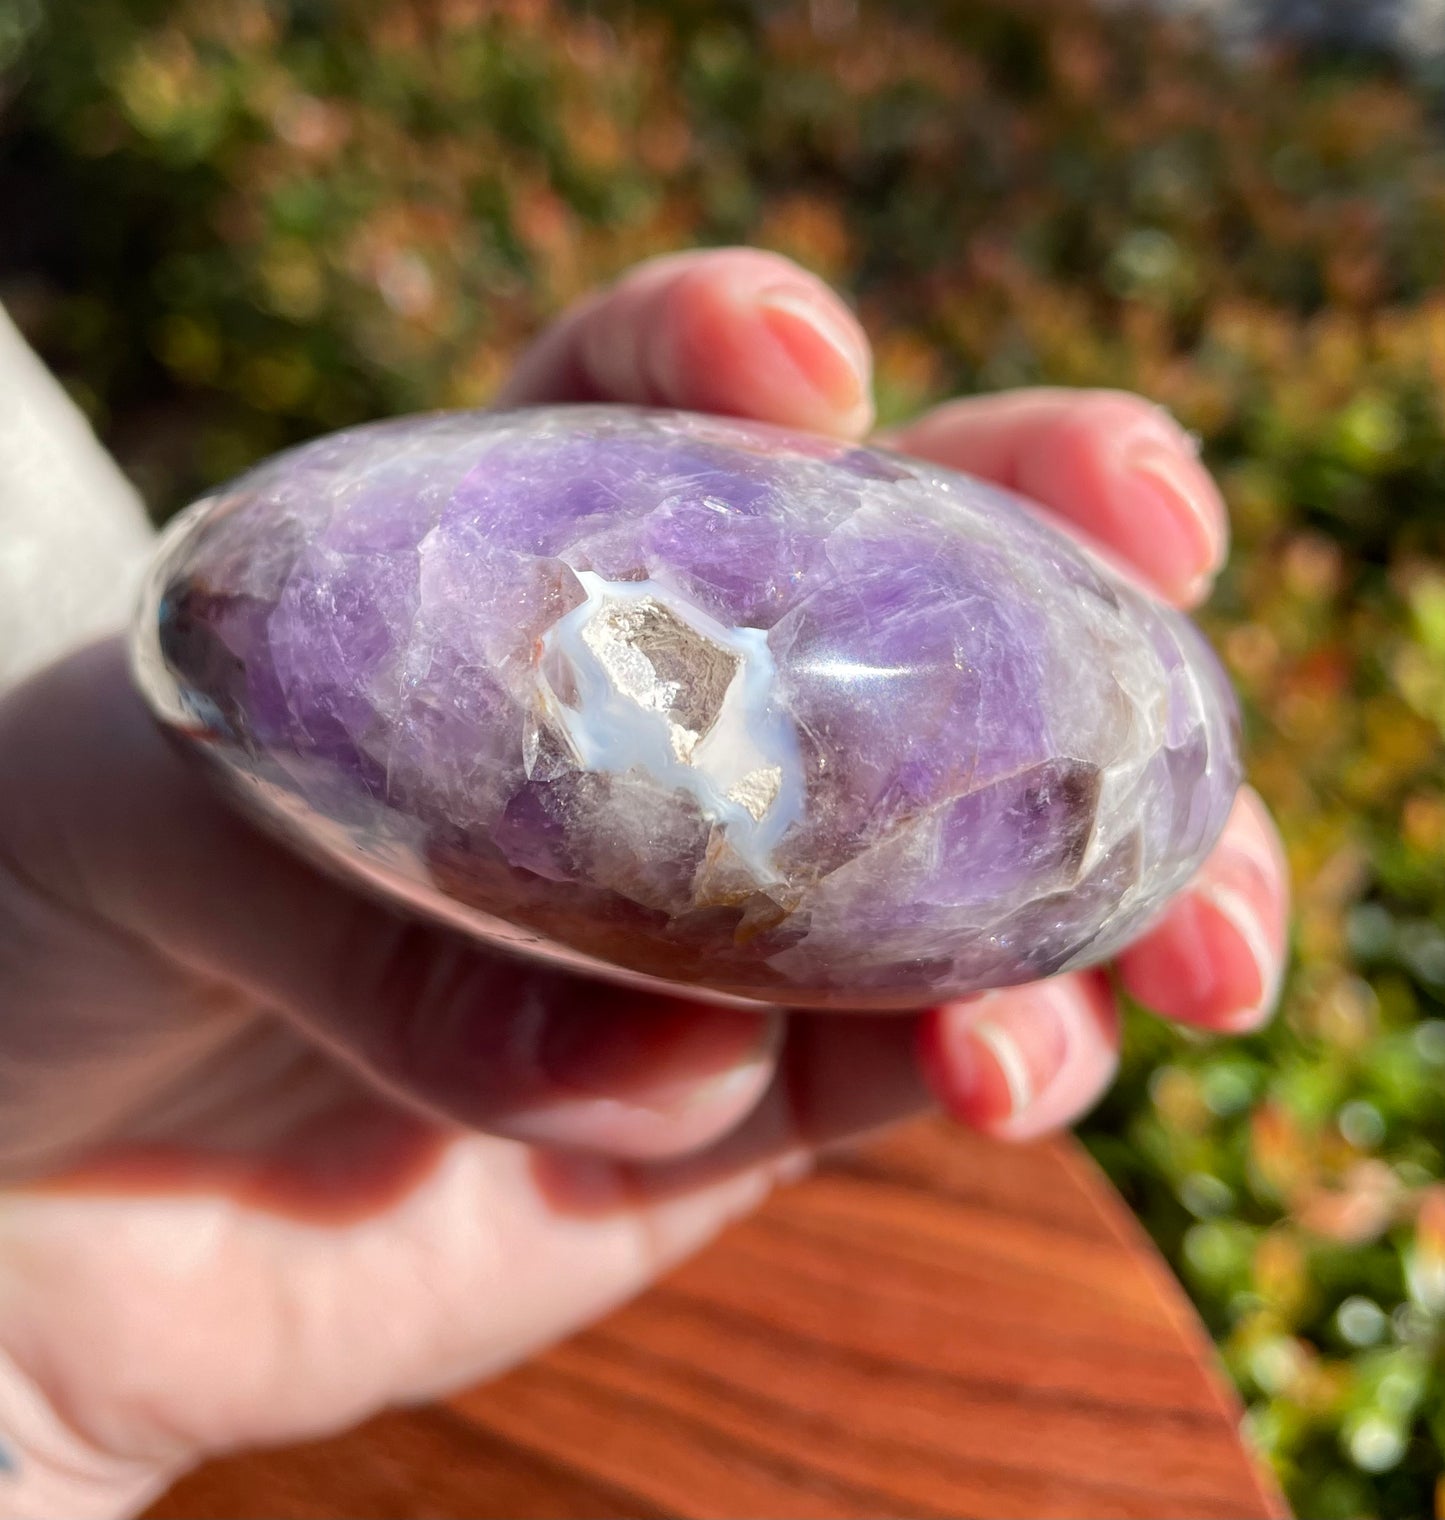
[230, 224]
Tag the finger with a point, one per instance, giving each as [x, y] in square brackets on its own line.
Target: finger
[516, 1050]
[838, 1077]
[152, 862]
[1019, 1063]
[1111, 464]
[730, 330]
[1217, 957]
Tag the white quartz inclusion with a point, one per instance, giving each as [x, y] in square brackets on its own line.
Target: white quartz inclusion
[636, 678]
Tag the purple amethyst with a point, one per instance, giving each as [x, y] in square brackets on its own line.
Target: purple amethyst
[695, 700]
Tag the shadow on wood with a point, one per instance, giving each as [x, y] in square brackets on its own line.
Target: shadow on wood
[931, 1326]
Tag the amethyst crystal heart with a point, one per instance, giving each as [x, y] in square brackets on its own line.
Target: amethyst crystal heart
[668, 696]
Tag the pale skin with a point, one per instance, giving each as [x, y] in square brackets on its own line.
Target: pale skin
[280, 1158]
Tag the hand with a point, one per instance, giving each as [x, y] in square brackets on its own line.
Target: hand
[299, 1157]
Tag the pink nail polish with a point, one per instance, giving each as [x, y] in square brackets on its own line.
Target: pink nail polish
[1012, 1065]
[828, 349]
[990, 1070]
[824, 318]
[794, 1167]
[664, 1059]
[1240, 914]
[1181, 541]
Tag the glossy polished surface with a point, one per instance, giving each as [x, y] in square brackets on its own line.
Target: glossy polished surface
[693, 700]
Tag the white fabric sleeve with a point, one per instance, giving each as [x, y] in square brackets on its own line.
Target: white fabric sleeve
[73, 533]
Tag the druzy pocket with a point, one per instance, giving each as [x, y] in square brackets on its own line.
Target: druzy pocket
[683, 698]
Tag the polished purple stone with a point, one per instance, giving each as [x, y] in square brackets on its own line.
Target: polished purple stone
[695, 700]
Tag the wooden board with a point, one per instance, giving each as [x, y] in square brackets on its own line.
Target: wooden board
[931, 1326]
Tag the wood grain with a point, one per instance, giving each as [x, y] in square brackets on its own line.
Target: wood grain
[932, 1326]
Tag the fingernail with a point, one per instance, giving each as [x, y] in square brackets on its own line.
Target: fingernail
[826, 347]
[1237, 910]
[1183, 546]
[999, 1068]
[1192, 971]
[1259, 843]
[666, 1061]
[794, 1167]
[1190, 440]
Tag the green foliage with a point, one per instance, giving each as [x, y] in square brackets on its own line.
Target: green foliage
[236, 222]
